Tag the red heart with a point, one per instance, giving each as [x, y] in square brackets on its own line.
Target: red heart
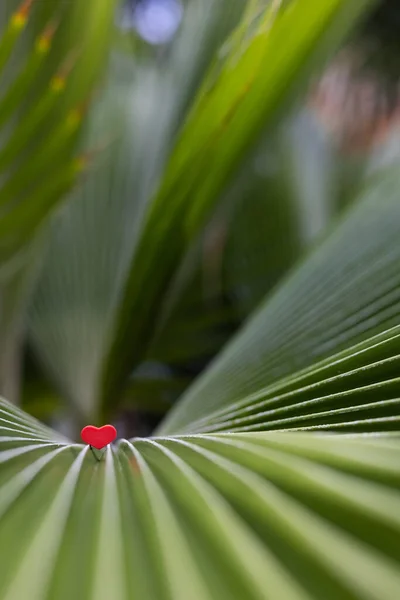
[98, 437]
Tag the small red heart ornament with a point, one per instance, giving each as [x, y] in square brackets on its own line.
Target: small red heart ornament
[98, 437]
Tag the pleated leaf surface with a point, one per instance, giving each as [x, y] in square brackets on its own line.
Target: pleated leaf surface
[259, 515]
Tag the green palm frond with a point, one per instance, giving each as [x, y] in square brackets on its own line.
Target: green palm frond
[117, 311]
[92, 244]
[288, 516]
[49, 70]
[51, 54]
[276, 474]
[229, 113]
[327, 315]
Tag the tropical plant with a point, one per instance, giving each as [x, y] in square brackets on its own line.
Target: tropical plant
[187, 188]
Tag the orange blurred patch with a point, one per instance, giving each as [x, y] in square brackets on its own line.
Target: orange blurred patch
[352, 107]
[134, 465]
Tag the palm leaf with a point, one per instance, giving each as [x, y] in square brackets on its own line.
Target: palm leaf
[232, 108]
[41, 109]
[228, 507]
[309, 342]
[286, 516]
[82, 356]
[79, 293]
[39, 137]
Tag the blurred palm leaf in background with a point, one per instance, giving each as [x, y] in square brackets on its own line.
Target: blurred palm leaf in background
[45, 83]
[202, 279]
